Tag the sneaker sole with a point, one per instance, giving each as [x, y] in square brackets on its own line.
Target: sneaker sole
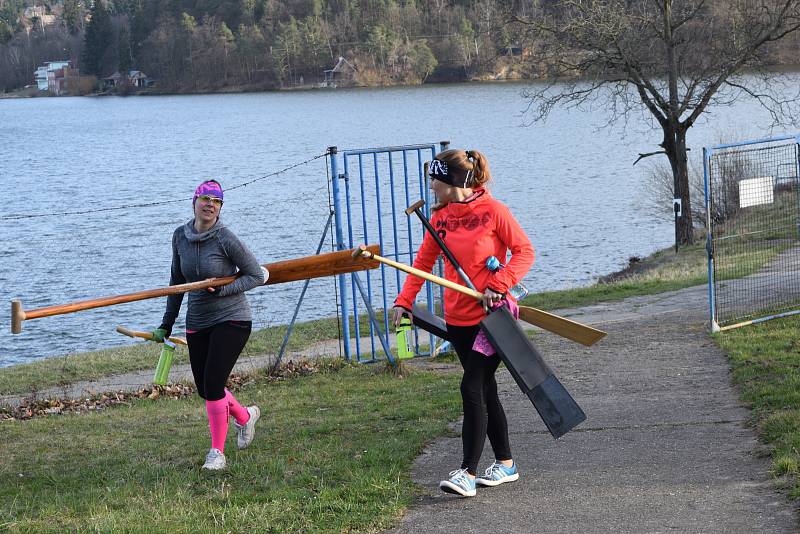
[212, 468]
[448, 487]
[487, 482]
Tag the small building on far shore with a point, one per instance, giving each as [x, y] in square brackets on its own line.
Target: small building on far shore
[134, 78]
[343, 73]
[68, 81]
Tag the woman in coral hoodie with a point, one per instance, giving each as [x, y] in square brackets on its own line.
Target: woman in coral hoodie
[474, 226]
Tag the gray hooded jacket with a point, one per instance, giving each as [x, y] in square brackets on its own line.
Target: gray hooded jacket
[216, 252]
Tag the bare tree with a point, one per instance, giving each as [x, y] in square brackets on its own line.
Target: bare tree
[672, 58]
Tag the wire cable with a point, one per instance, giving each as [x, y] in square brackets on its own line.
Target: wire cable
[14, 217]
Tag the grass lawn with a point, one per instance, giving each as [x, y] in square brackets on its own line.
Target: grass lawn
[766, 367]
[332, 454]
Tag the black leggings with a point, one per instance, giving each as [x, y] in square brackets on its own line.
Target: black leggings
[213, 352]
[483, 413]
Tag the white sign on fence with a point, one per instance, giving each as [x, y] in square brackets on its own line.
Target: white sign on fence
[756, 191]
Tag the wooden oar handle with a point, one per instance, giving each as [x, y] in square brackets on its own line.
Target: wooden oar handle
[147, 335]
[17, 316]
[415, 206]
[361, 251]
[559, 325]
[130, 333]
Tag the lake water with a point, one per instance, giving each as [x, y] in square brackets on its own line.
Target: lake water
[570, 183]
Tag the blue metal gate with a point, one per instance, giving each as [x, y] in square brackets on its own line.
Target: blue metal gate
[371, 189]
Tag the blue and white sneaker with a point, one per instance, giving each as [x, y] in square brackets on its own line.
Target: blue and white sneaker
[459, 483]
[497, 473]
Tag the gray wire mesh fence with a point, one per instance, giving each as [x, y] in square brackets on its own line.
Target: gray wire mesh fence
[753, 217]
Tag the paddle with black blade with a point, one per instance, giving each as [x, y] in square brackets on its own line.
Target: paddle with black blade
[581, 333]
[555, 405]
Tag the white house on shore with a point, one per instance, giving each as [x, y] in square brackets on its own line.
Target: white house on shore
[46, 71]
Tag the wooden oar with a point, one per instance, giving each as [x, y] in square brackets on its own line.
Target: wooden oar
[329, 264]
[585, 335]
[577, 332]
[147, 335]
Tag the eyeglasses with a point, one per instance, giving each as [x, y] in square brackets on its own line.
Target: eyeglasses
[208, 198]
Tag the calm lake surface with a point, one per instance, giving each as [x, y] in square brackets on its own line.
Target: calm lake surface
[570, 183]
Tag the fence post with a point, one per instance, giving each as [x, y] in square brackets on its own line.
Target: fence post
[332, 152]
[797, 175]
[709, 241]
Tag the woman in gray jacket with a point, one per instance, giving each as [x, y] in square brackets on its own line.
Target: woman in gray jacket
[218, 320]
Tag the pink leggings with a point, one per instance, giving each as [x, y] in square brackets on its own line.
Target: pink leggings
[218, 412]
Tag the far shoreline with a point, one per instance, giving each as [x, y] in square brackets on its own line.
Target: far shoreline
[30, 92]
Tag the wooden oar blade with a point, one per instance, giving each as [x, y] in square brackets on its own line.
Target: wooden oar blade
[586, 335]
[578, 332]
[329, 264]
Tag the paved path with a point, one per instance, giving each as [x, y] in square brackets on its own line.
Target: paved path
[665, 447]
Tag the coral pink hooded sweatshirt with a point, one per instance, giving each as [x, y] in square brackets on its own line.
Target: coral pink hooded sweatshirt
[473, 230]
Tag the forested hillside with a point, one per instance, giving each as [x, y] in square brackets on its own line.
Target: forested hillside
[216, 45]
[202, 45]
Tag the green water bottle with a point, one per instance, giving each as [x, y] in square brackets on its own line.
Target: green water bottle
[164, 363]
[403, 332]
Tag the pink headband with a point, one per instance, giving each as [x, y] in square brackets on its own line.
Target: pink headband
[212, 189]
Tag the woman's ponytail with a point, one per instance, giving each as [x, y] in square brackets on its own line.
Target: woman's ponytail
[480, 168]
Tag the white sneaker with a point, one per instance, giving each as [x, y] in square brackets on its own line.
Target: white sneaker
[215, 460]
[247, 431]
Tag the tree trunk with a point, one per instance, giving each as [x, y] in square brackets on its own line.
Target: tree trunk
[675, 137]
[675, 147]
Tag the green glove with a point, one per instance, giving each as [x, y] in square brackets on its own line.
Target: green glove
[159, 334]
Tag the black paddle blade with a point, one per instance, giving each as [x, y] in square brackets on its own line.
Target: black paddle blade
[430, 322]
[555, 405]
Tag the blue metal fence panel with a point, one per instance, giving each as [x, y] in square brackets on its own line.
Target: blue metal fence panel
[377, 181]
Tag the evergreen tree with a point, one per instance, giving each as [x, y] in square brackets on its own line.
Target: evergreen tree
[6, 32]
[125, 52]
[73, 15]
[97, 41]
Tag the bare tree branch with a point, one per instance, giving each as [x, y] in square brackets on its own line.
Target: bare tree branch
[673, 58]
